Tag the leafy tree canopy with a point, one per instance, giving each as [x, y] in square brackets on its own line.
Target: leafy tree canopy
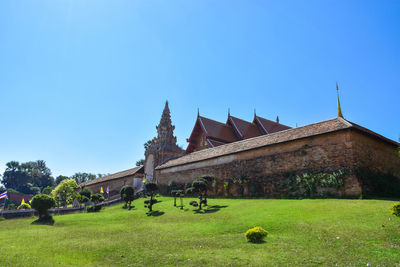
[26, 177]
[65, 191]
[81, 177]
[140, 162]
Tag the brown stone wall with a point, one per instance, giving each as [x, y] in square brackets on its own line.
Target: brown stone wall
[374, 154]
[115, 185]
[269, 166]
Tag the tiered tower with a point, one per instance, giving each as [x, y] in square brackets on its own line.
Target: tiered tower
[163, 147]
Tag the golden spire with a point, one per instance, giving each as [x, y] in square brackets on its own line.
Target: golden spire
[339, 112]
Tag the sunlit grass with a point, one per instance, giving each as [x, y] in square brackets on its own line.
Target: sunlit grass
[301, 232]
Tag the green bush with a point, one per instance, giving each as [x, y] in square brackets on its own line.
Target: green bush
[24, 206]
[42, 203]
[127, 195]
[395, 209]
[97, 198]
[93, 208]
[86, 192]
[2, 219]
[256, 234]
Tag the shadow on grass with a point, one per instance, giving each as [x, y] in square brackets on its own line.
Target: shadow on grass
[155, 213]
[210, 209]
[48, 220]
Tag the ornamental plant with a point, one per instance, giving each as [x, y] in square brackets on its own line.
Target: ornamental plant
[127, 195]
[151, 189]
[395, 209]
[42, 203]
[256, 234]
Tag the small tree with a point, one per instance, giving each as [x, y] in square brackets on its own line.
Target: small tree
[200, 187]
[65, 191]
[151, 189]
[47, 190]
[42, 203]
[127, 195]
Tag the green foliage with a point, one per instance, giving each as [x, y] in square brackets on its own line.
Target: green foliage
[395, 209]
[85, 191]
[151, 189]
[226, 185]
[200, 186]
[24, 206]
[97, 198]
[42, 203]
[47, 190]
[140, 162]
[95, 208]
[256, 234]
[65, 191]
[81, 177]
[127, 195]
[83, 199]
[60, 178]
[147, 145]
[2, 218]
[26, 177]
[306, 184]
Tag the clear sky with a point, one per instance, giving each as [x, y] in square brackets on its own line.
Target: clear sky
[83, 83]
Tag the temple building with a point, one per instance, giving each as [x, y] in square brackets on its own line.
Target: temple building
[264, 158]
[269, 159]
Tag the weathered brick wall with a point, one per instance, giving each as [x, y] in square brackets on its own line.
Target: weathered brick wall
[269, 166]
[115, 185]
[374, 154]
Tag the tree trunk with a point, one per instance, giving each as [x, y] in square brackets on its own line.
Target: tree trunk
[174, 201]
[151, 203]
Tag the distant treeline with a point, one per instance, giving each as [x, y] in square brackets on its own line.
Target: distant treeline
[34, 176]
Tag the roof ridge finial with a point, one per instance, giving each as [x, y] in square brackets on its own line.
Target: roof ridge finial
[229, 112]
[198, 112]
[277, 119]
[255, 113]
[339, 114]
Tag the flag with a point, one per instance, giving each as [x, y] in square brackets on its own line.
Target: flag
[101, 190]
[3, 195]
[144, 180]
[58, 196]
[23, 201]
[108, 190]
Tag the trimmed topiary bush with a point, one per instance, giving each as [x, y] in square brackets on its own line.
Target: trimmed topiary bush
[256, 234]
[97, 198]
[24, 206]
[395, 209]
[42, 203]
[93, 208]
[127, 195]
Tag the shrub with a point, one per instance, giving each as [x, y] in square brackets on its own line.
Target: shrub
[256, 234]
[42, 203]
[95, 208]
[82, 199]
[97, 198]
[47, 190]
[2, 219]
[395, 209]
[127, 195]
[65, 191]
[24, 206]
[86, 192]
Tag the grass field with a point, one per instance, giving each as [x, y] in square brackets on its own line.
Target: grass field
[325, 232]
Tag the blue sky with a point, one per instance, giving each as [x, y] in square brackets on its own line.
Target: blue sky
[83, 83]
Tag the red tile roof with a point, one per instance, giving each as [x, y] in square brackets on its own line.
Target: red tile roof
[319, 128]
[243, 129]
[268, 126]
[117, 175]
[217, 130]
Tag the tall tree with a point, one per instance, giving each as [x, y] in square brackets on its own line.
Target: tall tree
[81, 177]
[60, 178]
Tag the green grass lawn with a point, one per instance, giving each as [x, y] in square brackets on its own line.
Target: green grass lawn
[301, 233]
